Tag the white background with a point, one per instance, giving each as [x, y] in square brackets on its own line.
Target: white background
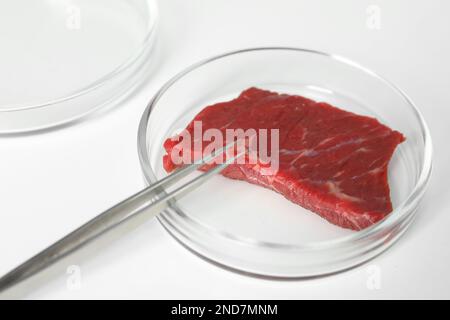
[51, 183]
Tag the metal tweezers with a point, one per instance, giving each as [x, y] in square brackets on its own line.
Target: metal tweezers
[147, 204]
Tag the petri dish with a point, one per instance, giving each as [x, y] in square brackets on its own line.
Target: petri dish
[68, 58]
[256, 231]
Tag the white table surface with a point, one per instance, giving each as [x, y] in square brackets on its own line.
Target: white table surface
[51, 183]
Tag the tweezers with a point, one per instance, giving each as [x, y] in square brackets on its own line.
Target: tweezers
[146, 204]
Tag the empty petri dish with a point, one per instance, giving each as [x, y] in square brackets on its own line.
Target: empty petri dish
[254, 230]
[63, 59]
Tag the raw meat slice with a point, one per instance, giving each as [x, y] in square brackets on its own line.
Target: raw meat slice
[331, 161]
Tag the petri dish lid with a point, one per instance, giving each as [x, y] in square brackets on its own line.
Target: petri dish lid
[63, 59]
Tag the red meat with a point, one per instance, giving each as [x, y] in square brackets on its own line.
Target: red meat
[331, 161]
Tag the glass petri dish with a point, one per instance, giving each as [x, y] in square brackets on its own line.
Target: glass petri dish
[63, 59]
[254, 230]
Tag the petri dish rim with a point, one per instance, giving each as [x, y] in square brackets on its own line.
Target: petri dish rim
[103, 80]
[400, 214]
